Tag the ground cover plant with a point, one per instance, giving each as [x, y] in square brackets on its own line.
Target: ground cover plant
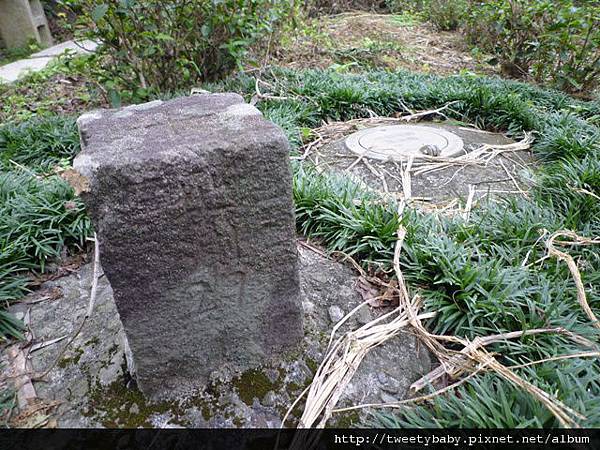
[64, 87]
[482, 276]
[14, 54]
[554, 42]
[40, 217]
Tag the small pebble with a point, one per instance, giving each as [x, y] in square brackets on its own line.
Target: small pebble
[308, 307]
[269, 399]
[387, 398]
[363, 315]
[336, 313]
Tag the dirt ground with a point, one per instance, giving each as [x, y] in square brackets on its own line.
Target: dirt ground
[378, 41]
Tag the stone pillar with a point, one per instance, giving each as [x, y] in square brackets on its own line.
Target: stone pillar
[191, 200]
[21, 21]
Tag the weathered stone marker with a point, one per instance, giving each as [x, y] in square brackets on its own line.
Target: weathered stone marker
[192, 204]
[22, 21]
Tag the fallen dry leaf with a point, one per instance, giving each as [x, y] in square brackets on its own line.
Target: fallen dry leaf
[76, 180]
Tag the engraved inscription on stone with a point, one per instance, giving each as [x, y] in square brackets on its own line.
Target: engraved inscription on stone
[191, 200]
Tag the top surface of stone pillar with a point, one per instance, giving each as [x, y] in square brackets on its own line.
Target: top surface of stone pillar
[192, 204]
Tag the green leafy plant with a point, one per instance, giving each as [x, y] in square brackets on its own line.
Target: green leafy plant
[443, 14]
[64, 87]
[152, 45]
[553, 42]
[447, 14]
[40, 143]
[8, 55]
[319, 7]
[38, 219]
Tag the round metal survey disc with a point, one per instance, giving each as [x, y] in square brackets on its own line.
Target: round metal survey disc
[399, 142]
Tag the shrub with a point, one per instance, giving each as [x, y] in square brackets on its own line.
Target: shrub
[399, 6]
[443, 14]
[316, 7]
[447, 14]
[553, 42]
[165, 46]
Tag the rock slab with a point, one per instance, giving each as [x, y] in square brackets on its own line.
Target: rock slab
[191, 200]
[93, 391]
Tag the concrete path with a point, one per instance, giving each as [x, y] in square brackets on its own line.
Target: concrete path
[38, 61]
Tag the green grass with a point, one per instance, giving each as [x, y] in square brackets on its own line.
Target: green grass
[474, 274]
[41, 143]
[9, 55]
[64, 87]
[471, 273]
[39, 213]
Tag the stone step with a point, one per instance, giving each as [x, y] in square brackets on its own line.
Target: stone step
[38, 61]
[78, 47]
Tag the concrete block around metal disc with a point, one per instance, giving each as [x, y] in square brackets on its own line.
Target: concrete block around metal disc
[400, 142]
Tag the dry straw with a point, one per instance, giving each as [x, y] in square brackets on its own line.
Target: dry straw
[480, 156]
[345, 353]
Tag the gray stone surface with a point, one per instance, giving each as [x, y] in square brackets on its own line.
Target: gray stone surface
[335, 313]
[22, 21]
[72, 47]
[13, 71]
[96, 391]
[94, 359]
[40, 60]
[445, 184]
[191, 200]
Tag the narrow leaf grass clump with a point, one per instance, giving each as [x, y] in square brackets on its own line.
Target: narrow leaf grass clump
[40, 144]
[488, 275]
[39, 213]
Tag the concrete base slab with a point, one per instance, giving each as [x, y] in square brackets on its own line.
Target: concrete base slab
[18, 69]
[76, 47]
[10, 73]
[400, 142]
[91, 382]
[505, 174]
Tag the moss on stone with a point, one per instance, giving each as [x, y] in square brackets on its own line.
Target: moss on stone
[312, 365]
[254, 384]
[112, 406]
[71, 360]
[93, 341]
[207, 402]
[348, 419]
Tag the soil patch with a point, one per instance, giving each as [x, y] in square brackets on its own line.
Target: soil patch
[380, 41]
